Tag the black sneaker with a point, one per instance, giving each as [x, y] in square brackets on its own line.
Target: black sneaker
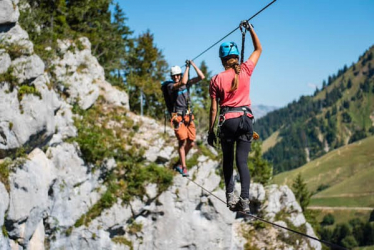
[242, 205]
[231, 200]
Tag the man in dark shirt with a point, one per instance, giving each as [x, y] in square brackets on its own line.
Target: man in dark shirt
[181, 115]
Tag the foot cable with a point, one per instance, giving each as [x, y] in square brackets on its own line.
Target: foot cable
[332, 245]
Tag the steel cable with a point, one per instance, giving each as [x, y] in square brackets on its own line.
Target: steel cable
[271, 223]
[232, 31]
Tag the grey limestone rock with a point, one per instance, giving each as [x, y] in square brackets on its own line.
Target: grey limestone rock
[29, 185]
[9, 12]
[4, 61]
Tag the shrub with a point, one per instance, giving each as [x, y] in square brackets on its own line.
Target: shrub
[28, 90]
[357, 135]
[9, 78]
[328, 219]
[99, 139]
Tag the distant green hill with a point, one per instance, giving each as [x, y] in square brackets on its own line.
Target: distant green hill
[340, 113]
[341, 178]
[342, 185]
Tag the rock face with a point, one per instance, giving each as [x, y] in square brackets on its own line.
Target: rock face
[28, 107]
[81, 78]
[45, 194]
[9, 11]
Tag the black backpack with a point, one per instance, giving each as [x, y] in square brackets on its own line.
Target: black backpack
[168, 97]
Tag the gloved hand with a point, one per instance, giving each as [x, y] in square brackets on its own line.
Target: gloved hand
[188, 63]
[212, 139]
[246, 25]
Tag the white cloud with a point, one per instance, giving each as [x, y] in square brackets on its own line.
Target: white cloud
[312, 86]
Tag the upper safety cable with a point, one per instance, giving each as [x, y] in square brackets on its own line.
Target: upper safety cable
[232, 31]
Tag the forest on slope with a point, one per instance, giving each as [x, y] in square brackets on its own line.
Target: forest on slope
[339, 113]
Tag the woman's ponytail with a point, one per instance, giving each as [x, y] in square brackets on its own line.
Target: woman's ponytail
[234, 64]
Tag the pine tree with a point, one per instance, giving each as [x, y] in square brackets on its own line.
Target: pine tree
[301, 192]
[46, 21]
[261, 170]
[371, 218]
[200, 91]
[144, 71]
[93, 19]
[200, 99]
[328, 219]
[349, 84]
[119, 43]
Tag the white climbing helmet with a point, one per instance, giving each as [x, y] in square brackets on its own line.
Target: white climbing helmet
[175, 70]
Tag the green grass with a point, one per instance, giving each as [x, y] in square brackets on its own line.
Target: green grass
[270, 141]
[360, 185]
[344, 178]
[343, 216]
[346, 170]
[363, 201]
[364, 248]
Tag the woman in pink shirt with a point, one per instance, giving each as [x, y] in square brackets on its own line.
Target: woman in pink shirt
[230, 90]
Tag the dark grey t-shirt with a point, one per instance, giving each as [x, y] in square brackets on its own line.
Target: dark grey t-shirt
[181, 97]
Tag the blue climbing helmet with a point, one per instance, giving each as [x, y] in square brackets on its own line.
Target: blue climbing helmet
[228, 48]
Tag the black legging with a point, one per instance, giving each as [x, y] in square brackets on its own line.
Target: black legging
[230, 135]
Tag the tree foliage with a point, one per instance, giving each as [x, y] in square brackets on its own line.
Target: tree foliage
[46, 21]
[301, 192]
[200, 99]
[133, 63]
[349, 235]
[144, 72]
[328, 219]
[261, 170]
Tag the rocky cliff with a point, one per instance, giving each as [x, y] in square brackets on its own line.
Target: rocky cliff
[47, 186]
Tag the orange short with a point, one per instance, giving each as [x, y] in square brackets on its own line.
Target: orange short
[184, 130]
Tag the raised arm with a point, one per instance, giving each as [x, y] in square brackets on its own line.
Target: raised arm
[185, 75]
[200, 74]
[256, 44]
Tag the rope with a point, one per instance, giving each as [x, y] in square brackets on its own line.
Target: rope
[273, 224]
[232, 31]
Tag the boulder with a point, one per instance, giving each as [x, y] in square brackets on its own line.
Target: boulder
[27, 122]
[9, 12]
[29, 185]
[27, 68]
[19, 37]
[4, 61]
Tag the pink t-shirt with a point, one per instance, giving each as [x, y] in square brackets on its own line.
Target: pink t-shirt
[220, 86]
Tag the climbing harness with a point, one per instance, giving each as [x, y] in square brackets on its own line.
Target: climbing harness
[271, 223]
[226, 109]
[233, 31]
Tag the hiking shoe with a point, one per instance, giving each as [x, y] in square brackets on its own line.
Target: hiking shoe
[230, 198]
[178, 168]
[185, 172]
[241, 205]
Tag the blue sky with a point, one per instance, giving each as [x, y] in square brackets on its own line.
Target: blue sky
[303, 41]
